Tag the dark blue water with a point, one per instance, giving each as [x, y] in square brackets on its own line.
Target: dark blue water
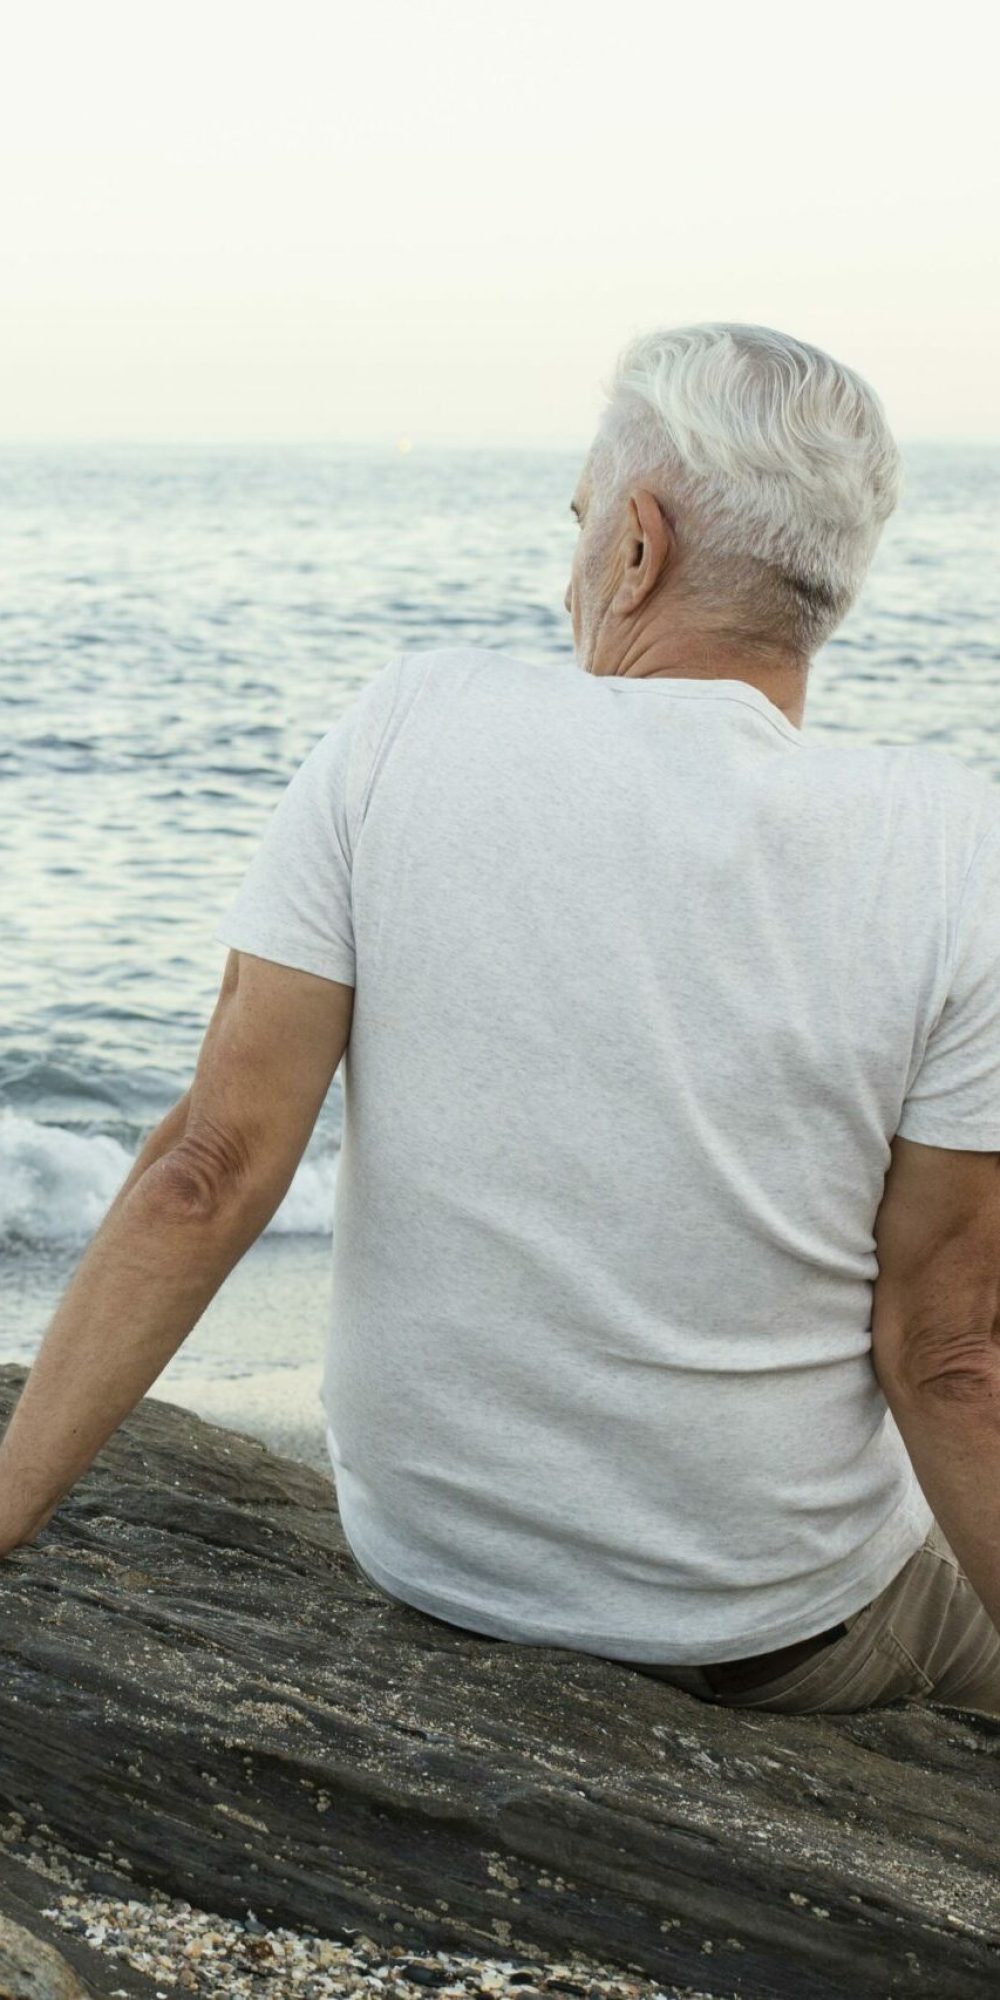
[177, 627]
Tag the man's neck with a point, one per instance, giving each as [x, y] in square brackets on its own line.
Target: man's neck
[781, 677]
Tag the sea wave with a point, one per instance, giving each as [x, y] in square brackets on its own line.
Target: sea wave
[57, 1184]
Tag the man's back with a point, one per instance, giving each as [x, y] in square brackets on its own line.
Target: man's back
[644, 981]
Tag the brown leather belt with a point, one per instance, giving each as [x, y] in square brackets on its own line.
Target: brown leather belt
[738, 1676]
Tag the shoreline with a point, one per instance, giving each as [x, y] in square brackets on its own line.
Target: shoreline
[280, 1407]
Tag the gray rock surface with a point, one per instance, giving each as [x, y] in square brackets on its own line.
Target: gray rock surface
[193, 1668]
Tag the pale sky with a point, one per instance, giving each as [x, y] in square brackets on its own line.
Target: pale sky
[441, 219]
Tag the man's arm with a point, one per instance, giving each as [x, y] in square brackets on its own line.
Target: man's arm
[936, 1341]
[206, 1183]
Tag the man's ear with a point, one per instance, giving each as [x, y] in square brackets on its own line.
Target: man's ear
[650, 550]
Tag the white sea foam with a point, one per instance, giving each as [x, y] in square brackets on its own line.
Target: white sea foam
[56, 1184]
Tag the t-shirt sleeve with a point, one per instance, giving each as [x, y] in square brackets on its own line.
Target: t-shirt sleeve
[294, 902]
[955, 1098]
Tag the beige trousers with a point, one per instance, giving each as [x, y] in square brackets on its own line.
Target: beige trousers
[925, 1638]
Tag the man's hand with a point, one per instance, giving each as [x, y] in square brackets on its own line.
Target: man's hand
[204, 1186]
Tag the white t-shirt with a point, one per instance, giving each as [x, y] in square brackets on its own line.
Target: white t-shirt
[645, 983]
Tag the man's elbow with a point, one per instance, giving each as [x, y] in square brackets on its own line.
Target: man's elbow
[205, 1178]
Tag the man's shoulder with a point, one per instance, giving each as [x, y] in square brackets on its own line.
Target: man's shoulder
[932, 806]
[488, 666]
[477, 687]
[931, 779]
[939, 777]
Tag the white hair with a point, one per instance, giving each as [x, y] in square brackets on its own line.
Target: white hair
[775, 463]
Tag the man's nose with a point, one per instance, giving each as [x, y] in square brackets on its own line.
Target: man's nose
[566, 601]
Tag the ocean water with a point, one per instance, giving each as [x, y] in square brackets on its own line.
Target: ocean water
[177, 627]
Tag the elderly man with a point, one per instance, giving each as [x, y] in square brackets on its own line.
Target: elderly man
[667, 1226]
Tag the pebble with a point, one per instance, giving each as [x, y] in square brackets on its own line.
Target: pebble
[189, 1951]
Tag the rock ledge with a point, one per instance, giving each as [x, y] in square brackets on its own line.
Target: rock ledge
[194, 1671]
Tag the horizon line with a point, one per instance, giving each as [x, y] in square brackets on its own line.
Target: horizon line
[402, 445]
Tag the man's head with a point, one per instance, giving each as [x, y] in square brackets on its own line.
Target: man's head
[730, 504]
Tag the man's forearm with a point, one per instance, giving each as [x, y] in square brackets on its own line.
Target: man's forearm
[952, 1434]
[143, 1282]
